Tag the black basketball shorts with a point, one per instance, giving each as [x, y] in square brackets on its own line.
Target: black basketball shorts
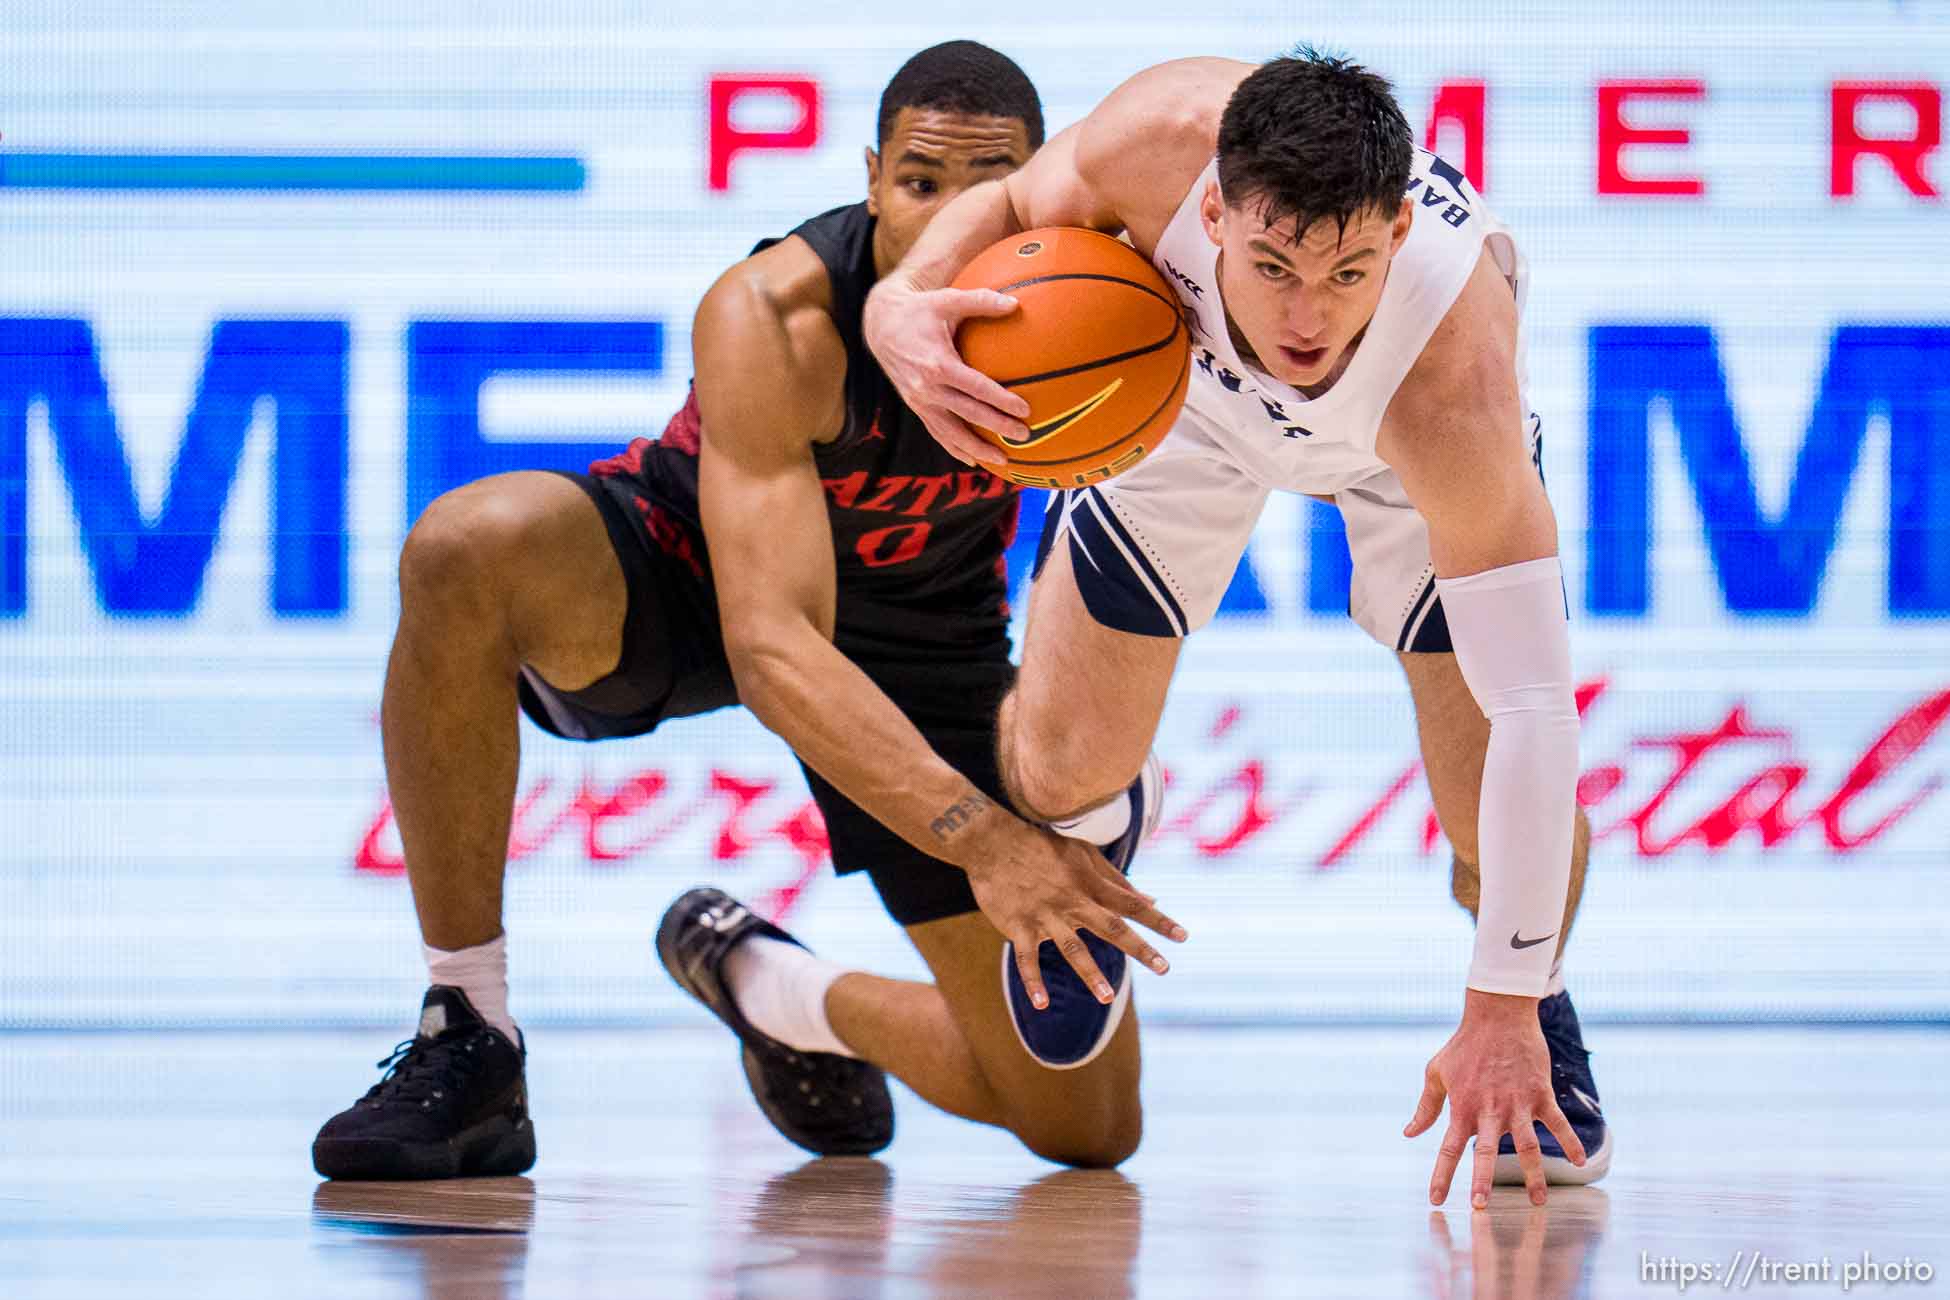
[673, 665]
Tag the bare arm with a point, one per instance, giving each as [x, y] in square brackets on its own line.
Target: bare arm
[1049, 190]
[770, 378]
[1125, 166]
[766, 381]
[1454, 434]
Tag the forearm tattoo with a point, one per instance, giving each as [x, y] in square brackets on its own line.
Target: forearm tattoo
[958, 814]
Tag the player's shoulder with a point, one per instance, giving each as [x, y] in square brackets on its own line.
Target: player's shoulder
[766, 325]
[1472, 352]
[1198, 86]
[785, 279]
[1153, 136]
[776, 308]
[1174, 106]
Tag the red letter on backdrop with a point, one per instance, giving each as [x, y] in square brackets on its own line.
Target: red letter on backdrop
[1904, 154]
[728, 141]
[1614, 135]
[1464, 105]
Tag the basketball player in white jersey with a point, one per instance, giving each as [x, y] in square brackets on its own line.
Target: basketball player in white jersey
[1355, 312]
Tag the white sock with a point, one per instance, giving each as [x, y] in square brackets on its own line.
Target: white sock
[781, 989]
[1556, 986]
[481, 972]
[1099, 825]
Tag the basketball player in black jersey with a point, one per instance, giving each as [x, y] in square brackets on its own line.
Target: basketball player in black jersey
[796, 542]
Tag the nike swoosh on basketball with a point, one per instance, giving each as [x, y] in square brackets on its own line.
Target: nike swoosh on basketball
[1519, 943]
[1056, 423]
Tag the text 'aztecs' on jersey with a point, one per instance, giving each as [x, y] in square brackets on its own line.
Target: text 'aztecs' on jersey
[918, 538]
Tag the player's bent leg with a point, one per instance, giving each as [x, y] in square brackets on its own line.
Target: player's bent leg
[817, 1069]
[1077, 727]
[516, 568]
[1089, 1116]
[1073, 741]
[817, 1089]
[1126, 570]
[1454, 737]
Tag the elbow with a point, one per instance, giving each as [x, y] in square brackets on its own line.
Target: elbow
[774, 664]
[760, 669]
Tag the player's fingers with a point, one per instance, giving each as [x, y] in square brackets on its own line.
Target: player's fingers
[1148, 916]
[1071, 945]
[978, 302]
[966, 445]
[956, 374]
[1428, 1108]
[1093, 874]
[1484, 1172]
[1447, 1157]
[1114, 892]
[1118, 932]
[947, 431]
[1560, 1127]
[981, 411]
[1031, 970]
[1530, 1156]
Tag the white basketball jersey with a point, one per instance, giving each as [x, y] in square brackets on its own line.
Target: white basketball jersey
[1326, 443]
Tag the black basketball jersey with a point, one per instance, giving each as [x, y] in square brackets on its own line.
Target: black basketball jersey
[918, 537]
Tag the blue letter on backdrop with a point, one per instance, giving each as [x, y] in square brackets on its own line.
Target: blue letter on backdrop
[448, 361]
[1770, 566]
[156, 568]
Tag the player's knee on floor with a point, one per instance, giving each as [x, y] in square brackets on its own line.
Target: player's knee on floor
[1103, 1141]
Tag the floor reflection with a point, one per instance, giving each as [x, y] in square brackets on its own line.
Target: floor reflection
[1518, 1251]
[451, 1239]
[820, 1230]
[836, 1228]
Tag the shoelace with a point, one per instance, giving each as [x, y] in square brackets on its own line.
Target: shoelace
[425, 1070]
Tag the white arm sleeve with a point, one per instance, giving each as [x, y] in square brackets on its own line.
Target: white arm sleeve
[1513, 645]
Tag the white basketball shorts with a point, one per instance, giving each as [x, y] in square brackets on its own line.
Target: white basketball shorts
[1155, 548]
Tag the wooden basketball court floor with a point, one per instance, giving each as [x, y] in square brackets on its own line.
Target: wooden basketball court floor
[175, 1165]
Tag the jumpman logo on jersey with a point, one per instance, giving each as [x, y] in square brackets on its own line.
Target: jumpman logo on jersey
[875, 432]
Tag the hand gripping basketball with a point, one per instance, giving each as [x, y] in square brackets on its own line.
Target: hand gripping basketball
[1059, 357]
[911, 332]
[1099, 347]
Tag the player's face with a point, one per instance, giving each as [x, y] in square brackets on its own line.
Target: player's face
[1301, 301]
[929, 157]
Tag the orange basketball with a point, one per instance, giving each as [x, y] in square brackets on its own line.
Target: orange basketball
[1097, 346]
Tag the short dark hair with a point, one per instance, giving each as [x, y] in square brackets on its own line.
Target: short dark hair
[963, 77]
[1312, 137]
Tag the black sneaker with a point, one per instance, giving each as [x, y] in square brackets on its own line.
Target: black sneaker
[451, 1104]
[1075, 1027]
[829, 1104]
[1577, 1097]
